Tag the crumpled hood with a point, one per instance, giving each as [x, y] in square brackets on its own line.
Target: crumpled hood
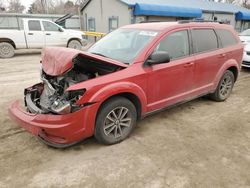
[56, 60]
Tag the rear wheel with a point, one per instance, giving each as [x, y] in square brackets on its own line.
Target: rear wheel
[224, 88]
[6, 50]
[115, 121]
[75, 44]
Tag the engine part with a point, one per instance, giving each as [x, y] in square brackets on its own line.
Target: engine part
[61, 107]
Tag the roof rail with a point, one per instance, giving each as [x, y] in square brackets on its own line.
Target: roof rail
[201, 21]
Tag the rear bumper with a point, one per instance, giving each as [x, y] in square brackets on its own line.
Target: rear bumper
[56, 130]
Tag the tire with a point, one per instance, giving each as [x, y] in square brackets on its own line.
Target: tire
[224, 88]
[115, 121]
[75, 44]
[6, 50]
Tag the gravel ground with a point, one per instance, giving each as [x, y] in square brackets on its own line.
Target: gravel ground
[198, 144]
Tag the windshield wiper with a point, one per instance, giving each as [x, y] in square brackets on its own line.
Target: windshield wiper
[98, 54]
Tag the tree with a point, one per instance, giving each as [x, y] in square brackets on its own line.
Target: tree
[243, 3]
[36, 8]
[70, 7]
[15, 6]
[2, 6]
[54, 7]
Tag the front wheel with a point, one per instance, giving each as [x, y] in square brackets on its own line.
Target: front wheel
[115, 121]
[224, 88]
[6, 50]
[75, 44]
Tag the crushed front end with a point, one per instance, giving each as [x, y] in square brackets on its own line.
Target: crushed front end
[53, 112]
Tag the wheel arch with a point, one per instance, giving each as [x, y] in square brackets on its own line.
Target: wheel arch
[231, 65]
[74, 38]
[131, 97]
[128, 90]
[235, 71]
[9, 41]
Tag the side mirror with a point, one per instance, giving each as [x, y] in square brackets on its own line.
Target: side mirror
[158, 57]
[60, 29]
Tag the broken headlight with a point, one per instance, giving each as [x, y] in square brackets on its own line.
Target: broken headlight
[67, 104]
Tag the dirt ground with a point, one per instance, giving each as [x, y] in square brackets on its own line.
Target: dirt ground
[198, 144]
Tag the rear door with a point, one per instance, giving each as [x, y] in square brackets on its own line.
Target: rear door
[229, 43]
[209, 57]
[54, 35]
[34, 34]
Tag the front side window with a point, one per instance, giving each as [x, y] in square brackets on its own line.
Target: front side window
[123, 44]
[48, 26]
[175, 44]
[204, 40]
[34, 25]
[91, 24]
[227, 38]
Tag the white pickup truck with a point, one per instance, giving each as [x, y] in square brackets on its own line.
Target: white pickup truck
[38, 33]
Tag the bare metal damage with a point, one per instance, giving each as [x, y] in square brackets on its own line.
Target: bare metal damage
[50, 95]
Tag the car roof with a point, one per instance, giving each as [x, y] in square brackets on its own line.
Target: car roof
[160, 26]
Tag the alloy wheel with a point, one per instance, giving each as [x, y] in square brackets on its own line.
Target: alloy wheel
[117, 122]
[226, 86]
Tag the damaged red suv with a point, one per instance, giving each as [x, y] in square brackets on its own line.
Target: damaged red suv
[132, 72]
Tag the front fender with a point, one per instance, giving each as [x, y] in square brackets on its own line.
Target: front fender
[226, 66]
[113, 89]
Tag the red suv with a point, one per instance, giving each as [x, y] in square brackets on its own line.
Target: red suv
[132, 72]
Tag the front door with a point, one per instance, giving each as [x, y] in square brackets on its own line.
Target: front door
[54, 36]
[171, 82]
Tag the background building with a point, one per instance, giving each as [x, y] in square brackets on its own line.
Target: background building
[105, 16]
[14, 20]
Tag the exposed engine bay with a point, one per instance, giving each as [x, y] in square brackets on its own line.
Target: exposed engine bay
[50, 96]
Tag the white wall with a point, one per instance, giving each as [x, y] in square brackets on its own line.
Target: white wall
[220, 17]
[102, 10]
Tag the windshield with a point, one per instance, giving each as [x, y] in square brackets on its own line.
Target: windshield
[123, 44]
[245, 33]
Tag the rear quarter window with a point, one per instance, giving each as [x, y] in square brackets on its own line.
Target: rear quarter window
[204, 40]
[226, 37]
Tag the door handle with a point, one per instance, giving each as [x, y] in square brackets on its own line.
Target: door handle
[48, 34]
[30, 33]
[189, 64]
[222, 56]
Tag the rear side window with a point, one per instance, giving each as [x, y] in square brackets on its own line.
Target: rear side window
[204, 40]
[34, 25]
[226, 37]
